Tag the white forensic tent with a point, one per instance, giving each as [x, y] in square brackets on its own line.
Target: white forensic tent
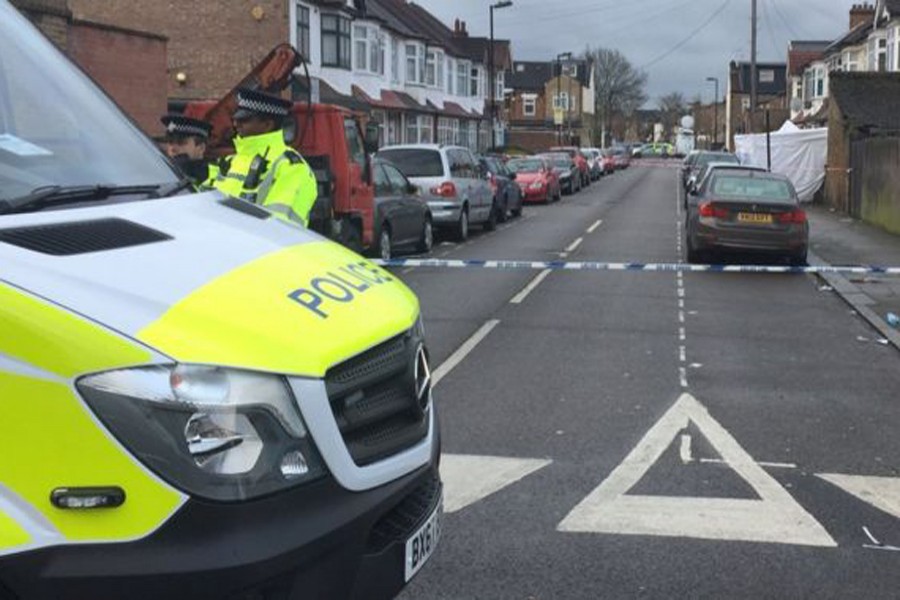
[799, 154]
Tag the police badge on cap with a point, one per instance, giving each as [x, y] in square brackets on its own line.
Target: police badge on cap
[182, 126]
[255, 103]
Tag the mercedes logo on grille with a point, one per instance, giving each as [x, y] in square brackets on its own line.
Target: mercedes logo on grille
[422, 378]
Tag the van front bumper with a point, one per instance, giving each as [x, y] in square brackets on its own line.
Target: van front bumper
[315, 541]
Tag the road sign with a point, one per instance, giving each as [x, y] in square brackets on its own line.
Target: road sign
[775, 517]
[558, 116]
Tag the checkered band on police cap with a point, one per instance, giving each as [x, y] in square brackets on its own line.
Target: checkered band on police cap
[181, 125]
[262, 103]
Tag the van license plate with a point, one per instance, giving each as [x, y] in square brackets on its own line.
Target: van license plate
[421, 545]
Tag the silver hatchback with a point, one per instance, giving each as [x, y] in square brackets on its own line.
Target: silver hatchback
[453, 183]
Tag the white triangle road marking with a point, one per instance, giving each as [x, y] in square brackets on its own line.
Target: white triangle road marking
[881, 492]
[774, 518]
[468, 479]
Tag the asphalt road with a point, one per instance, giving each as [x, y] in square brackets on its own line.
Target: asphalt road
[631, 434]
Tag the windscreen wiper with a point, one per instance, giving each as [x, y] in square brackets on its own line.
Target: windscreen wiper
[52, 195]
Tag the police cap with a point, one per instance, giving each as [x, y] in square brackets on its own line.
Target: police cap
[182, 126]
[255, 103]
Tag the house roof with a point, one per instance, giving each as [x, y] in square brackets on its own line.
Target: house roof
[529, 75]
[868, 101]
[801, 53]
[851, 38]
[387, 13]
[740, 78]
[478, 49]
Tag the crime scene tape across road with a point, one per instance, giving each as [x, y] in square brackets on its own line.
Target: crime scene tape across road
[560, 265]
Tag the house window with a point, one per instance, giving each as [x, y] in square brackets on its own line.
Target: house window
[882, 55]
[476, 76]
[500, 85]
[570, 70]
[431, 68]
[766, 76]
[561, 101]
[529, 105]
[369, 49]
[745, 103]
[335, 41]
[820, 83]
[462, 78]
[302, 42]
[451, 73]
[415, 63]
[419, 129]
[439, 59]
[395, 61]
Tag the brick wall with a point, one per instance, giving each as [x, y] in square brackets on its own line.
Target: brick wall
[516, 110]
[837, 177]
[213, 42]
[50, 16]
[532, 140]
[130, 66]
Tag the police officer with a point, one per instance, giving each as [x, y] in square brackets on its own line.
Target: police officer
[264, 169]
[185, 143]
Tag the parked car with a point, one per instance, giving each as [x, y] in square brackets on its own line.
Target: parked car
[451, 181]
[506, 192]
[595, 162]
[582, 164]
[566, 170]
[402, 217]
[608, 162]
[717, 167]
[657, 150]
[620, 157]
[702, 160]
[537, 178]
[687, 164]
[747, 211]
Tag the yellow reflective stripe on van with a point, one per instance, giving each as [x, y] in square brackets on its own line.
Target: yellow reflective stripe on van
[11, 533]
[50, 440]
[55, 340]
[297, 311]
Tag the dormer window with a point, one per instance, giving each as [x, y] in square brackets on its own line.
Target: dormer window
[369, 49]
[571, 70]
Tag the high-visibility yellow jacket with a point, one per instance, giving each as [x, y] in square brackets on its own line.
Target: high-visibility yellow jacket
[266, 171]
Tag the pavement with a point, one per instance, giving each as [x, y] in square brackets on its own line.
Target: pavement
[837, 239]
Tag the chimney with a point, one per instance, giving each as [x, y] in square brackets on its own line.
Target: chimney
[456, 27]
[861, 13]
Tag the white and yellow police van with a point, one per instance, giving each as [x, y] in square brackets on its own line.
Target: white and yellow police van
[196, 400]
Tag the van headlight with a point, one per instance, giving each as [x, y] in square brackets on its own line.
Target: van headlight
[222, 434]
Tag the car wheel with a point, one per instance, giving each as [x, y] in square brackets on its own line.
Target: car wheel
[493, 217]
[426, 240]
[462, 226]
[384, 243]
[517, 211]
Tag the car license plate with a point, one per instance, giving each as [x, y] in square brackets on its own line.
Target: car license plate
[754, 218]
[421, 545]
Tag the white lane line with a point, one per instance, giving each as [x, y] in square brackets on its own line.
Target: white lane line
[762, 463]
[407, 270]
[682, 334]
[682, 354]
[571, 247]
[685, 449]
[468, 479]
[594, 227]
[681, 316]
[462, 352]
[682, 377]
[520, 297]
[681, 292]
[870, 536]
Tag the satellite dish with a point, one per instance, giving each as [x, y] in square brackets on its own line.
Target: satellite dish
[687, 122]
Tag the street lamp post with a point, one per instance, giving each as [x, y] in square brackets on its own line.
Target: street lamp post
[715, 112]
[559, 57]
[493, 84]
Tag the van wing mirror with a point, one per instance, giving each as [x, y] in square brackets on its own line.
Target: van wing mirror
[371, 138]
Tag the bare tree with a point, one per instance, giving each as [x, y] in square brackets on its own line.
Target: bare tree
[620, 87]
[673, 107]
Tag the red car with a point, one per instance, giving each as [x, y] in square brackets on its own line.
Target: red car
[580, 161]
[536, 178]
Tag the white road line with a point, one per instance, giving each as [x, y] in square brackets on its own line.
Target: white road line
[685, 449]
[870, 536]
[462, 352]
[881, 492]
[520, 297]
[408, 270]
[771, 465]
[571, 247]
[682, 334]
[681, 316]
[682, 354]
[468, 479]
[681, 292]
[594, 227]
[682, 377]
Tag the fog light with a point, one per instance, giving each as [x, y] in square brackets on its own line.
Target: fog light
[86, 498]
[294, 465]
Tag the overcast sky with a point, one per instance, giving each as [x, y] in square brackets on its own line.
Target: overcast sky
[655, 35]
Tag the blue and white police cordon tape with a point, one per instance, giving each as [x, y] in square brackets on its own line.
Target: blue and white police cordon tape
[560, 265]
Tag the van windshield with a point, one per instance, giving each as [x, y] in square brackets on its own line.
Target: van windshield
[415, 162]
[57, 128]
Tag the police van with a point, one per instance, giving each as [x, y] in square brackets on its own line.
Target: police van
[197, 400]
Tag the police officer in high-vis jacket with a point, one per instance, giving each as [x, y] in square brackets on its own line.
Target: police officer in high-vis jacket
[185, 143]
[264, 170]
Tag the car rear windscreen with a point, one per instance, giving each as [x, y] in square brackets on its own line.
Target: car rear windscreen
[415, 162]
[757, 189]
[525, 166]
[718, 157]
